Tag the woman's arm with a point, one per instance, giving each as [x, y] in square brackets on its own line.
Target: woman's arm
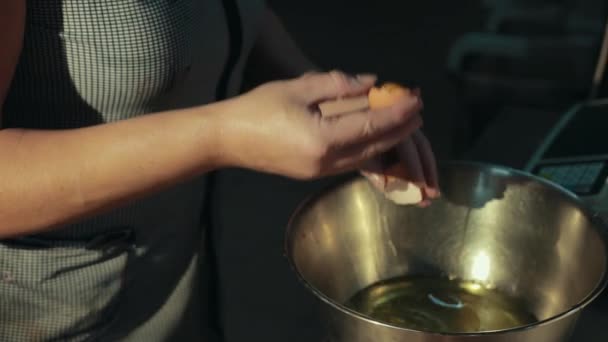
[52, 177]
[49, 178]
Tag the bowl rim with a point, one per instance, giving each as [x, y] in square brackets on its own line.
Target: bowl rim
[599, 224]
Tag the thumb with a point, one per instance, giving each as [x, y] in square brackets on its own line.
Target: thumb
[318, 87]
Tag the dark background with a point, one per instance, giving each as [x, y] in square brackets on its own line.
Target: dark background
[408, 42]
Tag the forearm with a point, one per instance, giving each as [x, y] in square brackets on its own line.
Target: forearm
[51, 178]
[275, 54]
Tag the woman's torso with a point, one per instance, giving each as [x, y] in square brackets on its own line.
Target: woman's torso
[87, 62]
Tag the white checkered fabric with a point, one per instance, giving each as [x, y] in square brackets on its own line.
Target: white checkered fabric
[130, 274]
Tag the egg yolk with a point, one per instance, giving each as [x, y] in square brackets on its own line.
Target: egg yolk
[386, 95]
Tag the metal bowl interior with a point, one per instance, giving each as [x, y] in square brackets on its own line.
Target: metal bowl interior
[493, 225]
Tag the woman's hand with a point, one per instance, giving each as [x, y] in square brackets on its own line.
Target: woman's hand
[277, 128]
[411, 161]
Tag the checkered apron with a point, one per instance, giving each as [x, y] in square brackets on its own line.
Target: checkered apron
[131, 274]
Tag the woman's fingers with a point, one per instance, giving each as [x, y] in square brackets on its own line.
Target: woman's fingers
[409, 158]
[413, 170]
[373, 169]
[348, 141]
[314, 88]
[428, 163]
[417, 164]
[369, 127]
[356, 155]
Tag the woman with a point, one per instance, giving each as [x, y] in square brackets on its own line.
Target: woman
[112, 113]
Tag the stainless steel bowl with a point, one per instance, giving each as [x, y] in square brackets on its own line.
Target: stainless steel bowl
[496, 226]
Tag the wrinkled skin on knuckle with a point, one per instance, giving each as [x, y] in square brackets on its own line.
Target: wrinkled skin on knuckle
[368, 129]
[308, 75]
[340, 81]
